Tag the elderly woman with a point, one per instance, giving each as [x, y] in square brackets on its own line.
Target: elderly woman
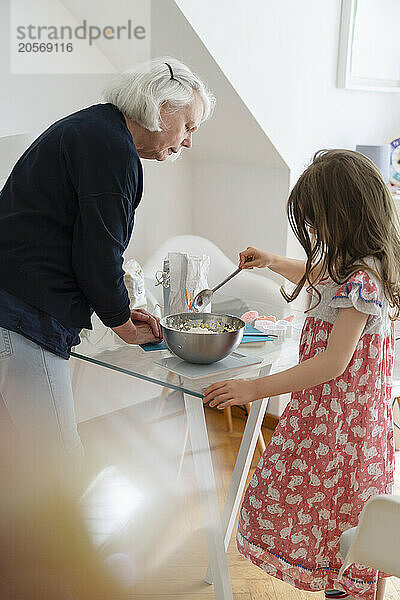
[66, 217]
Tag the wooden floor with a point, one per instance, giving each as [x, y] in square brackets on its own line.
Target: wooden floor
[163, 542]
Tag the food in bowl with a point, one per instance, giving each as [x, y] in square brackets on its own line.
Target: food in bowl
[195, 327]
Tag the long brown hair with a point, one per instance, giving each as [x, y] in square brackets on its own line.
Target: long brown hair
[344, 199]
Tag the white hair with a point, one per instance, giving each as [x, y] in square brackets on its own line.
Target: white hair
[141, 92]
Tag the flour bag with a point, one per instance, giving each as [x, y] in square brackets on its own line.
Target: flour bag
[188, 276]
[134, 283]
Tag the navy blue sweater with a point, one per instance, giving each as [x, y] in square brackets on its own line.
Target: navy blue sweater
[66, 217]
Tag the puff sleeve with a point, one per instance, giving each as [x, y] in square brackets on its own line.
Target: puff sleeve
[362, 291]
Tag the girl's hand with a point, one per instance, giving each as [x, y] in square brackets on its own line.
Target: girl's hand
[230, 393]
[255, 258]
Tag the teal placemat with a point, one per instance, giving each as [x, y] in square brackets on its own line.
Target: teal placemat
[151, 347]
[251, 334]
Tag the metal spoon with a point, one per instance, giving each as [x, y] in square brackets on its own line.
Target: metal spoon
[204, 297]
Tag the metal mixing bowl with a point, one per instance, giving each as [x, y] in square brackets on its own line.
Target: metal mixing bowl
[202, 348]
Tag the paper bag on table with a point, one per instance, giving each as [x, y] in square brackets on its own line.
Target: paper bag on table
[189, 276]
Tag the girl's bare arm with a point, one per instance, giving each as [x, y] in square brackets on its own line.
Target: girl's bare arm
[290, 268]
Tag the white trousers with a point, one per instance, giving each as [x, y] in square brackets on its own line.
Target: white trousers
[36, 394]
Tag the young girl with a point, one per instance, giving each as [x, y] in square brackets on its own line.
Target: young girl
[333, 448]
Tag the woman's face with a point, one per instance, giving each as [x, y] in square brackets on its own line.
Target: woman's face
[177, 130]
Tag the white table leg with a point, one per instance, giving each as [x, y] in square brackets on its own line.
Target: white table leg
[241, 470]
[182, 458]
[208, 496]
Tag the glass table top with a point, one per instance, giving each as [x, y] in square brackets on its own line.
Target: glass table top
[103, 347]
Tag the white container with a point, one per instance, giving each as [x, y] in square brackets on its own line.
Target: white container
[288, 326]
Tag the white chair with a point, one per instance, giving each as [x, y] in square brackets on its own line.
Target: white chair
[263, 289]
[375, 542]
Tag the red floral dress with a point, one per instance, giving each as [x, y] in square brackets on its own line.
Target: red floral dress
[332, 451]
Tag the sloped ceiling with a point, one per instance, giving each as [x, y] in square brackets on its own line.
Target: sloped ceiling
[233, 134]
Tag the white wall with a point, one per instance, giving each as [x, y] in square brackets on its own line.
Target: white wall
[166, 207]
[30, 103]
[281, 57]
[11, 148]
[239, 205]
[233, 135]
[240, 182]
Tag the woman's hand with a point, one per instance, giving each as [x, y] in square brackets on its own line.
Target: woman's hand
[141, 328]
[140, 315]
[233, 392]
[254, 257]
[144, 334]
